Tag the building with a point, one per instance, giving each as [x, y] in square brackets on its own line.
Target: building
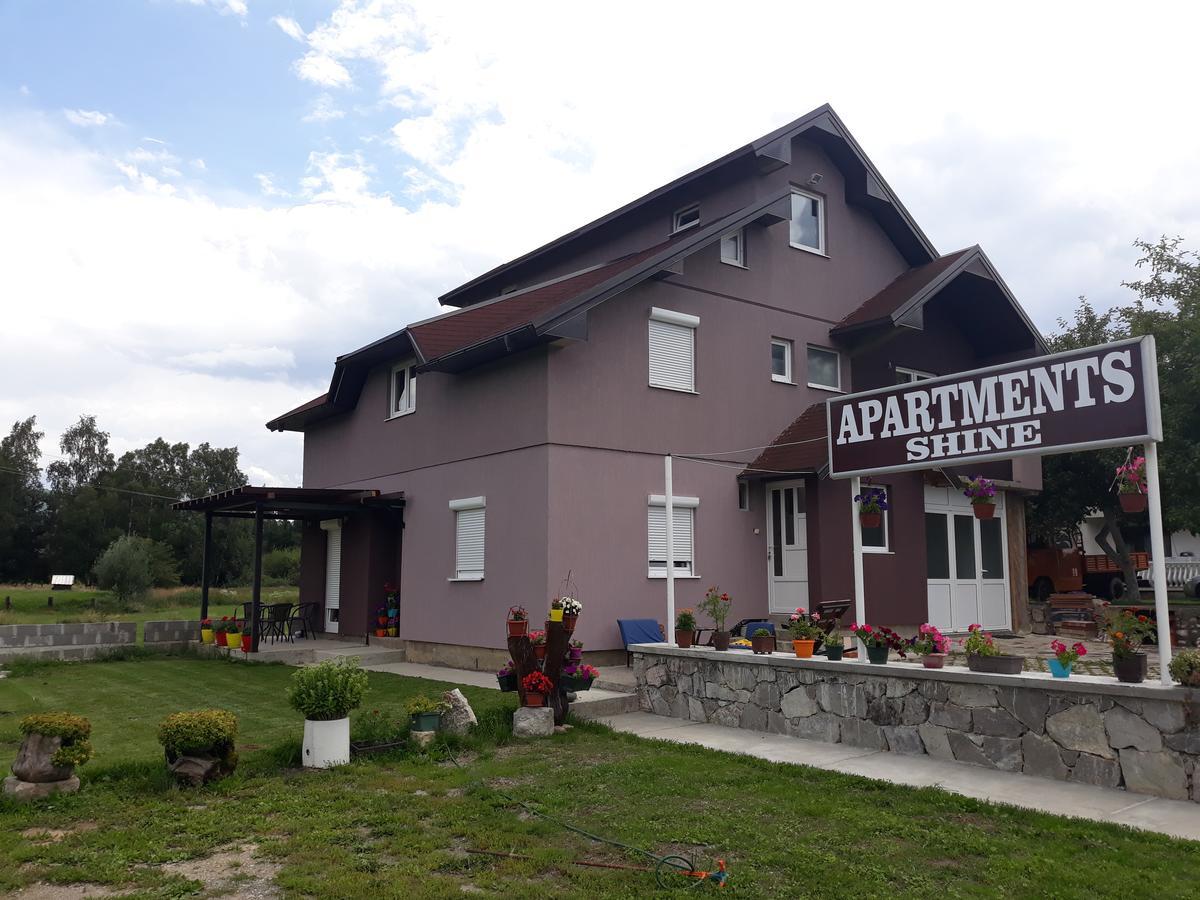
[526, 427]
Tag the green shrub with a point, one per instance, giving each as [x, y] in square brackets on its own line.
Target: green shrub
[124, 569]
[208, 732]
[73, 730]
[282, 566]
[376, 727]
[1185, 667]
[328, 690]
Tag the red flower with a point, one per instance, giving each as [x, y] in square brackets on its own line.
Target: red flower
[1080, 649]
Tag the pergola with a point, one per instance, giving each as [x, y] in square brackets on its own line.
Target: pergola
[290, 503]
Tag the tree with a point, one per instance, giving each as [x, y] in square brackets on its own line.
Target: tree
[87, 456]
[124, 569]
[22, 504]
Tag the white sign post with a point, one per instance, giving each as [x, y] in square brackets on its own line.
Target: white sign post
[669, 497]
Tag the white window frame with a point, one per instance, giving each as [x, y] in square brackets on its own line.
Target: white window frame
[788, 358]
[407, 402]
[737, 258]
[458, 507]
[690, 504]
[914, 375]
[671, 319]
[820, 249]
[744, 496]
[837, 389]
[884, 524]
[680, 213]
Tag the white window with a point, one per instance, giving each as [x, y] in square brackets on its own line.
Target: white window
[469, 529]
[733, 249]
[875, 540]
[743, 495]
[403, 392]
[808, 221]
[682, 527]
[673, 350]
[824, 368]
[687, 217]
[781, 360]
[908, 376]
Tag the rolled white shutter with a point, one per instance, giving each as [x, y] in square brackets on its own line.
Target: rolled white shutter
[469, 542]
[656, 529]
[672, 355]
[333, 567]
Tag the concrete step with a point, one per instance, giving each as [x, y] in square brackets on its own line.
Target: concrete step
[367, 656]
[598, 703]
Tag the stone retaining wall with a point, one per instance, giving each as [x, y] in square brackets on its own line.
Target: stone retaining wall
[174, 631]
[73, 640]
[1143, 738]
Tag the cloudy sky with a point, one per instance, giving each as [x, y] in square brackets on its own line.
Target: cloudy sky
[203, 202]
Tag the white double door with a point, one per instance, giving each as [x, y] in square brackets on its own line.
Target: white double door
[787, 546]
[967, 563]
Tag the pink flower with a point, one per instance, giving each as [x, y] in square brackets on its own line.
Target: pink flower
[1080, 649]
[975, 627]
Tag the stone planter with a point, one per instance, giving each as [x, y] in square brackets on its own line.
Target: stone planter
[1130, 669]
[996, 665]
[877, 655]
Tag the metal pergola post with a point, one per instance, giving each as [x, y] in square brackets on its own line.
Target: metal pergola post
[205, 572]
[860, 598]
[256, 604]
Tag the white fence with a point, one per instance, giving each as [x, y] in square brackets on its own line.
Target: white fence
[1180, 570]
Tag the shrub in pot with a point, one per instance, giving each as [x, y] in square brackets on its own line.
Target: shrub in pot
[575, 651]
[685, 627]
[556, 610]
[833, 645]
[538, 640]
[53, 744]
[1126, 633]
[424, 713]
[762, 641]
[1131, 485]
[931, 645]
[1185, 668]
[233, 636]
[984, 656]
[1064, 658]
[325, 694]
[716, 606]
[199, 745]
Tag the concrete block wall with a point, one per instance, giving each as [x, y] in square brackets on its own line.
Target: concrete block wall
[70, 640]
[172, 631]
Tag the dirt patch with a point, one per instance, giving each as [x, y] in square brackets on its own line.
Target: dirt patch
[231, 870]
[43, 836]
[43, 891]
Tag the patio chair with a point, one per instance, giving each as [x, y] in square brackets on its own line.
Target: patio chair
[302, 620]
[276, 623]
[639, 631]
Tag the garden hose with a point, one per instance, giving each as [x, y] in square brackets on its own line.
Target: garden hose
[667, 869]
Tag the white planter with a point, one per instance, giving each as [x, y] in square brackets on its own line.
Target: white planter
[326, 743]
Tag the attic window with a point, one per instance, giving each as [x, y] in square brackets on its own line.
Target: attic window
[808, 222]
[402, 398]
[685, 218]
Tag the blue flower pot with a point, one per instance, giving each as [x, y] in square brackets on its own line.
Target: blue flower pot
[1058, 670]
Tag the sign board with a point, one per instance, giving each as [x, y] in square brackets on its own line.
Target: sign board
[1103, 396]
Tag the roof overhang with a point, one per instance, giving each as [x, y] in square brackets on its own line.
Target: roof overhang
[247, 501]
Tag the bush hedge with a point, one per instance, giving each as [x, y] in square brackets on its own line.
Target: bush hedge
[206, 732]
[328, 690]
[1185, 667]
[73, 730]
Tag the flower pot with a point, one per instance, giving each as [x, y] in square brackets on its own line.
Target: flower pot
[425, 721]
[556, 615]
[1131, 668]
[1132, 503]
[539, 651]
[206, 635]
[877, 655]
[533, 698]
[382, 620]
[684, 637]
[393, 632]
[1058, 670]
[247, 642]
[220, 638]
[393, 613]
[576, 653]
[326, 743]
[575, 683]
[804, 649]
[996, 665]
[380, 632]
[234, 641]
[569, 622]
[870, 520]
[516, 628]
[833, 651]
[720, 640]
[761, 645]
[507, 682]
[934, 660]
[984, 510]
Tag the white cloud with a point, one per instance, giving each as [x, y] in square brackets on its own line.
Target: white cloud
[87, 118]
[324, 70]
[324, 109]
[266, 185]
[290, 27]
[225, 7]
[239, 355]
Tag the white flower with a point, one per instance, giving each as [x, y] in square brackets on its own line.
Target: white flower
[571, 606]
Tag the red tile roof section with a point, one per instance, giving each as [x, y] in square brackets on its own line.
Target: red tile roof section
[799, 448]
[901, 290]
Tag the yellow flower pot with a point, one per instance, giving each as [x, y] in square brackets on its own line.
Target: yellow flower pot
[206, 635]
[556, 615]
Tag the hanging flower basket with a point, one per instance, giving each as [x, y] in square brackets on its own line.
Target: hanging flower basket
[984, 510]
[871, 504]
[870, 520]
[981, 491]
[1132, 503]
[1131, 485]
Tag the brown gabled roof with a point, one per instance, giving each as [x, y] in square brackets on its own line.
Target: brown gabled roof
[887, 302]
[302, 414]
[801, 447]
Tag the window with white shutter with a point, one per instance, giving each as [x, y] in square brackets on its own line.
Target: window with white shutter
[673, 350]
[469, 531]
[683, 528]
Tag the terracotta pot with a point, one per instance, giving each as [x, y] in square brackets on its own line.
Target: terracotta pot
[984, 510]
[1132, 503]
[877, 655]
[934, 660]
[870, 520]
[534, 699]
[996, 665]
[804, 649]
[761, 645]
[1130, 669]
[684, 637]
[569, 622]
[539, 652]
[720, 640]
[516, 628]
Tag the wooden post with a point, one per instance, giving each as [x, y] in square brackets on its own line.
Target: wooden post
[205, 572]
[50, 602]
[256, 604]
[8, 602]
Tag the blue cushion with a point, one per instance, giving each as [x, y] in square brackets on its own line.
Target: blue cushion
[639, 631]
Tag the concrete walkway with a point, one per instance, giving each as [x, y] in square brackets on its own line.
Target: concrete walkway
[1178, 818]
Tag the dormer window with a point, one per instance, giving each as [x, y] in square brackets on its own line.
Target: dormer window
[685, 218]
[402, 398]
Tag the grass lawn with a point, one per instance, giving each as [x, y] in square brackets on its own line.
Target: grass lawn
[399, 825]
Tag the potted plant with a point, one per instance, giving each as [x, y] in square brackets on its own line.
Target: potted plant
[393, 629]
[53, 744]
[199, 744]
[424, 713]
[716, 606]
[931, 645]
[571, 609]
[805, 631]
[878, 641]
[220, 631]
[685, 627]
[579, 678]
[507, 676]
[556, 610]
[984, 656]
[1060, 666]
[1131, 485]
[762, 641]
[380, 632]
[518, 621]
[233, 635]
[393, 600]
[982, 494]
[1185, 668]
[1126, 633]
[538, 640]
[872, 503]
[206, 631]
[833, 645]
[575, 651]
[537, 688]
[247, 641]
[381, 617]
[325, 694]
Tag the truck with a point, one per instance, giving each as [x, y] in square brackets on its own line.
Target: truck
[1064, 567]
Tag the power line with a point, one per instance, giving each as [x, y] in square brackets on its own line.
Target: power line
[105, 487]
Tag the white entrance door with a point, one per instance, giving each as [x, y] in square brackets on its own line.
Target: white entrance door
[787, 548]
[967, 564]
[333, 573]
